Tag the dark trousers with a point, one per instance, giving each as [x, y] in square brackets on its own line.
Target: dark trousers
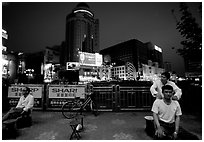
[168, 129]
[13, 113]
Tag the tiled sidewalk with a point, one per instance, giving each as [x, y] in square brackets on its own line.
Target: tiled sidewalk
[106, 126]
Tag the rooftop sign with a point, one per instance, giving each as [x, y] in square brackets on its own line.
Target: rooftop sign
[157, 48]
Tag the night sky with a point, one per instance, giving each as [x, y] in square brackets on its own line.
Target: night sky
[33, 26]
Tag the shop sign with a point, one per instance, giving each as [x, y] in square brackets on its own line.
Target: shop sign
[67, 91]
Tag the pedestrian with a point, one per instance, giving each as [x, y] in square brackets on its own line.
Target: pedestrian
[156, 90]
[25, 104]
[166, 115]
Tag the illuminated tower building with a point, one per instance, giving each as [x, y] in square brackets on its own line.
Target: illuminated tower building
[82, 33]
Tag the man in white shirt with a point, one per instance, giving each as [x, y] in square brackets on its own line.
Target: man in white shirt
[166, 114]
[25, 104]
[156, 90]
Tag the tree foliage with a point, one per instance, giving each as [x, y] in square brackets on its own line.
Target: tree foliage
[190, 30]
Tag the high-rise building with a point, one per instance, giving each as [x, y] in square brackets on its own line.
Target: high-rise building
[82, 33]
[155, 54]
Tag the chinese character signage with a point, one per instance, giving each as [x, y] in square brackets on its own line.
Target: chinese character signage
[70, 91]
[90, 59]
[15, 91]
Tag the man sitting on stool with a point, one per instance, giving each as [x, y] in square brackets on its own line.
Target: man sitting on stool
[25, 104]
[166, 114]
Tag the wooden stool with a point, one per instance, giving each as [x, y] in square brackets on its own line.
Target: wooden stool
[75, 132]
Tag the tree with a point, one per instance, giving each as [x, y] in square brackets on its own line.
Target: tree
[190, 30]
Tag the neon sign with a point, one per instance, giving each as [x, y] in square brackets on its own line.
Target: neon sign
[157, 48]
[82, 10]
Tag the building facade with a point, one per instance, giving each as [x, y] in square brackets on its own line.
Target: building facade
[82, 33]
[137, 59]
[9, 60]
[167, 66]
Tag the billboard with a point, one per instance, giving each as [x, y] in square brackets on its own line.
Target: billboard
[15, 92]
[70, 91]
[72, 66]
[90, 59]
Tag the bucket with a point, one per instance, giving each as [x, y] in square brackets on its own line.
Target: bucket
[149, 125]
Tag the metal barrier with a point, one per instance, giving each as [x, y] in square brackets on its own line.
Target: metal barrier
[118, 98]
[135, 98]
[104, 96]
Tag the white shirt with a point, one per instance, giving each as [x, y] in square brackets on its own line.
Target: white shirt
[157, 88]
[26, 102]
[166, 112]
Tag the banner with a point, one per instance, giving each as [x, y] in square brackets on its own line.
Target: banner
[70, 91]
[15, 91]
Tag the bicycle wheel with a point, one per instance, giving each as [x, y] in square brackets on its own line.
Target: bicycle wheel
[95, 108]
[69, 110]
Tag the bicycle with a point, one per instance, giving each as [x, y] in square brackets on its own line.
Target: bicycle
[72, 109]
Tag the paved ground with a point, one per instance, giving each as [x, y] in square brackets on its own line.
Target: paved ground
[106, 126]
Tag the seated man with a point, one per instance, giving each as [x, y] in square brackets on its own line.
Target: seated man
[166, 114]
[25, 104]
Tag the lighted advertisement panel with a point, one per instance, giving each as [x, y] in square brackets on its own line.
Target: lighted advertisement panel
[72, 66]
[48, 72]
[4, 68]
[157, 48]
[90, 59]
[99, 59]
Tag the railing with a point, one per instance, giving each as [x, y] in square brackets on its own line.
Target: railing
[135, 98]
[103, 97]
[123, 98]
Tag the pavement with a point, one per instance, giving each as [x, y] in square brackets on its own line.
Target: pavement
[49, 125]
